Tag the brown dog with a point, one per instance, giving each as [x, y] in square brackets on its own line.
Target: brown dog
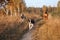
[45, 15]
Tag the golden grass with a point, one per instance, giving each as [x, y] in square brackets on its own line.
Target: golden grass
[11, 27]
[49, 31]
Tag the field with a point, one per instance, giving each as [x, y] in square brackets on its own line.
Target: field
[12, 29]
[48, 31]
[13, 26]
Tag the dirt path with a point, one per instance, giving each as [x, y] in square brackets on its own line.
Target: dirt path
[31, 34]
[27, 36]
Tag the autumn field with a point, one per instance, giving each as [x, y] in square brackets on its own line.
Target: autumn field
[11, 28]
[48, 31]
[15, 18]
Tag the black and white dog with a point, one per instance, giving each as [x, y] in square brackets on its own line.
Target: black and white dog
[31, 23]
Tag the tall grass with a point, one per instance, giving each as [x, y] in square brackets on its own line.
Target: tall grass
[11, 28]
[49, 31]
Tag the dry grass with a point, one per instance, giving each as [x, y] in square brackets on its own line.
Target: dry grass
[11, 28]
[49, 31]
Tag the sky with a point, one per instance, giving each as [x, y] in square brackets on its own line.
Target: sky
[40, 3]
